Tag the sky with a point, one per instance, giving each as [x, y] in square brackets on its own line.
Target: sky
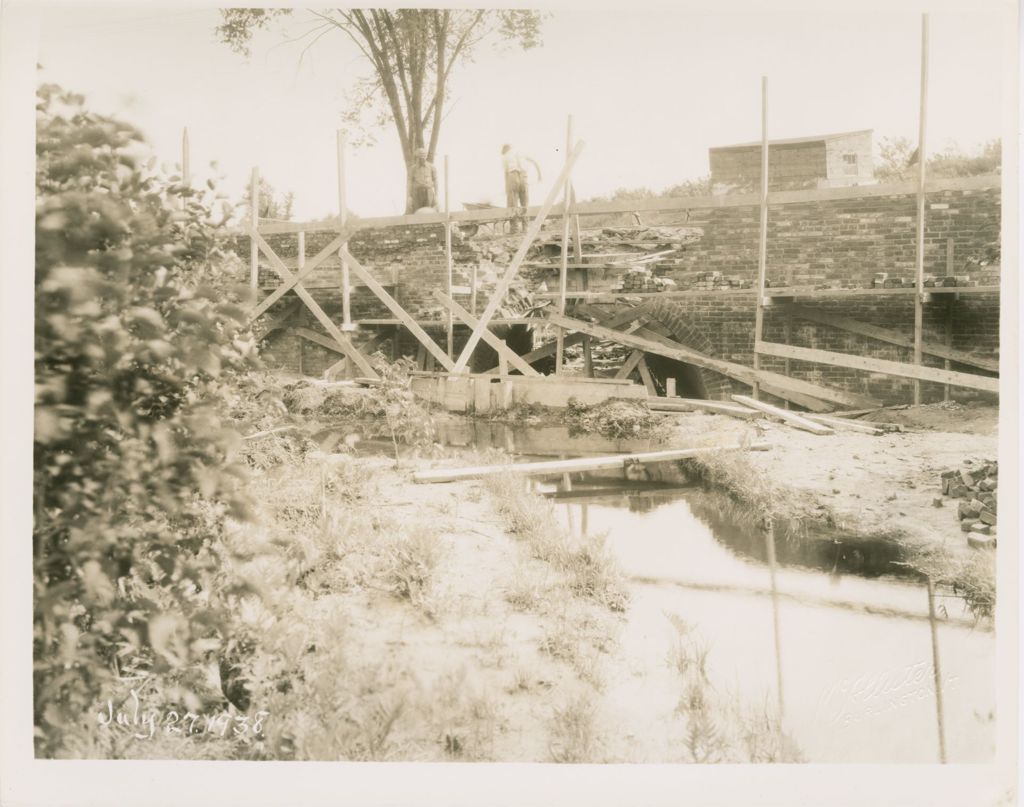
[649, 91]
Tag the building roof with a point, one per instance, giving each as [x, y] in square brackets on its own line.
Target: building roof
[795, 140]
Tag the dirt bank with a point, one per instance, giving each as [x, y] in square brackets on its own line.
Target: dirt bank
[876, 485]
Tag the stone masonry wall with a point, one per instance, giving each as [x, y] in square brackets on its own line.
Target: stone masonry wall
[834, 243]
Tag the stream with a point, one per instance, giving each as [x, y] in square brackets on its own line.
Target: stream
[853, 648]
[838, 639]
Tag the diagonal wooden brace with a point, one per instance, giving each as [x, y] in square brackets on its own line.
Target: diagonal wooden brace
[517, 259]
[494, 341]
[343, 342]
[393, 305]
[307, 270]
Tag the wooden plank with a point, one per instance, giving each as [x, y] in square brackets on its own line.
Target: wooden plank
[791, 418]
[367, 349]
[280, 320]
[645, 376]
[396, 309]
[588, 358]
[346, 288]
[449, 288]
[657, 332]
[785, 386]
[892, 337]
[700, 405]
[504, 351]
[843, 423]
[629, 365]
[922, 161]
[563, 273]
[503, 285]
[319, 339]
[346, 346]
[622, 318]
[546, 467]
[880, 366]
[907, 188]
[254, 218]
[803, 291]
[762, 242]
[304, 272]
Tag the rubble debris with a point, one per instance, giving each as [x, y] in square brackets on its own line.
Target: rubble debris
[975, 485]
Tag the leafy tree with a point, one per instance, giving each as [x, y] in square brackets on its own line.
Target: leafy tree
[136, 329]
[273, 204]
[899, 160]
[411, 53]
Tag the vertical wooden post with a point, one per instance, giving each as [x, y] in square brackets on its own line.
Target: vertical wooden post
[670, 387]
[448, 260]
[786, 336]
[564, 270]
[950, 302]
[762, 249]
[186, 164]
[588, 357]
[472, 289]
[770, 546]
[346, 291]
[936, 672]
[921, 159]
[254, 222]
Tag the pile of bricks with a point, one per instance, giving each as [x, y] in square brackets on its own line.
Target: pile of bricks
[975, 486]
[713, 281]
[642, 279]
[883, 281]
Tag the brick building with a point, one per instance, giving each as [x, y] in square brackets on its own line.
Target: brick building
[821, 161]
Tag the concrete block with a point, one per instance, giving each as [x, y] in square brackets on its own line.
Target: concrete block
[976, 540]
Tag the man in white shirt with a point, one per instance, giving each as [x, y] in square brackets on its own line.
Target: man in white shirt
[422, 191]
[517, 185]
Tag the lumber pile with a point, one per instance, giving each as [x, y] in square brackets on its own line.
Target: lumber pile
[975, 485]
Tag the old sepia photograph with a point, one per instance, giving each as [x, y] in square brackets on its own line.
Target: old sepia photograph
[624, 391]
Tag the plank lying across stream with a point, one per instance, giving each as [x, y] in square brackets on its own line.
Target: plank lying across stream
[579, 464]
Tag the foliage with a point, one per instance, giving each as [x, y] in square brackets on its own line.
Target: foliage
[407, 419]
[689, 187]
[617, 419]
[273, 203]
[411, 54]
[899, 160]
[137, 331]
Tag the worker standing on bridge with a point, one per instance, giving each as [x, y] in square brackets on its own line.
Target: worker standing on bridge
[422, 182]
[517, 184]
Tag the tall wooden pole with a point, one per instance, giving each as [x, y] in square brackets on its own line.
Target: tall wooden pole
[950, 270]
[448, 260]
[919, 296]
[254, 222]
[186, 163]
[770, 546]
[936, 672]
[563, 274]
[346, 291]
[762, 249]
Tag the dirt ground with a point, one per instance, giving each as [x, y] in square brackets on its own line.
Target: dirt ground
[873, 484]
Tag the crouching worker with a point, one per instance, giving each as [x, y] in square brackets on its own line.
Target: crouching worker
[517, 184]
[422, 183]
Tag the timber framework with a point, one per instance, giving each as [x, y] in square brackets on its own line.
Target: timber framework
[800, 346]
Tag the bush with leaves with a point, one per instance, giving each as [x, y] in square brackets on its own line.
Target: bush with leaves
[138, 330]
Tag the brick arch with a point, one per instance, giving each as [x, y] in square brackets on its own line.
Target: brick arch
[691, 381]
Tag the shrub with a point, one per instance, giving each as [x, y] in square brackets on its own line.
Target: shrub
[137, 332]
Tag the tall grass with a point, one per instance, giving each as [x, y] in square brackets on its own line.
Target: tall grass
[588, 568]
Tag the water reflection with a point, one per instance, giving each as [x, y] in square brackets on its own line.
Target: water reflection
[845, 638]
